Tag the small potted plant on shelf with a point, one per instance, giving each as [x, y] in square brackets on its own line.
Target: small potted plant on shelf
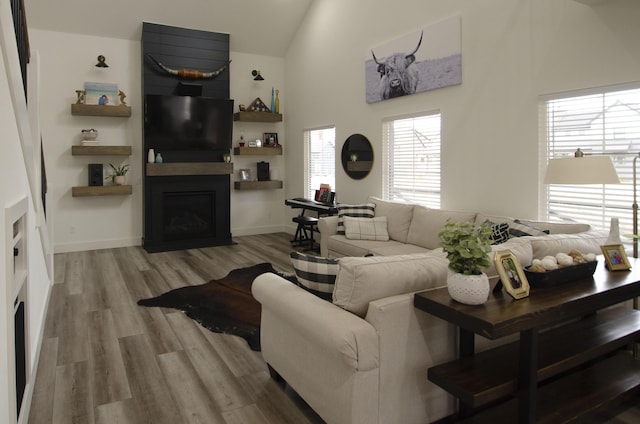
[118, 173]
[467, 248]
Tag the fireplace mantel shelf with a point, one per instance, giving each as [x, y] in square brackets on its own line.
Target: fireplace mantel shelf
[189, 168]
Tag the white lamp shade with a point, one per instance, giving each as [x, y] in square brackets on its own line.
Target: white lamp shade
[581, 170]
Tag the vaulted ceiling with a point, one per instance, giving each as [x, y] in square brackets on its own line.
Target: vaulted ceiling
[255, 26]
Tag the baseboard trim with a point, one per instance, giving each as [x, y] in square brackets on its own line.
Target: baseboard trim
[96, 245]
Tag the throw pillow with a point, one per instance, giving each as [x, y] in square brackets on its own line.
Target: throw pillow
[500, 232]
[366, 228]
[520, 229]
[365, 210]
[315, 274]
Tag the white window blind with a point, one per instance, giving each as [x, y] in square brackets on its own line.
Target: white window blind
[598, 123]
[411, 159]
[320, 159]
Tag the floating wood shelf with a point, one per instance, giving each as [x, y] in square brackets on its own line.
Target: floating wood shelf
[110, 190]
[359, 166]
[101, 150]
[100, 110]
[189, 168]
[257, 117]
[257, 185]
[258, 151]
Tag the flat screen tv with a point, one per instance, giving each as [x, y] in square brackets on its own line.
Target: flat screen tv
[185, 123]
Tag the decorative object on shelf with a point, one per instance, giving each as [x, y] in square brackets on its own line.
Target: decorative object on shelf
[615, 257]
[270, 139]
[580, 266]
[258, 106]
[241, 108]
[257, 76]
[241, 143]
[80, 99]
[118, 173]
[512, 276]
[226, 157]
[189, 73]
[158, 158]
[263, 171]
[273, 100]
[467, 248]
[245, 175]
[122, 97]
[102, 62]
[151, 156]
[277, 109]
[95, 174]
[353, 157]
[89, 134]
[100, 93]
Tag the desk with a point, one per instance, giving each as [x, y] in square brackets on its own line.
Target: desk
[307, 223]
[571, 358]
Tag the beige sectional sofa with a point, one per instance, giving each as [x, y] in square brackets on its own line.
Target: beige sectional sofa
[363, 358]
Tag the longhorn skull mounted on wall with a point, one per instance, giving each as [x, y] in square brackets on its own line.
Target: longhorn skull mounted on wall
[189, 73]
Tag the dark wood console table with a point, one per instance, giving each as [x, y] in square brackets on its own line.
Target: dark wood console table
[568, 361]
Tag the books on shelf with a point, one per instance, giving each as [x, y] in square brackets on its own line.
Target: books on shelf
[89, 142]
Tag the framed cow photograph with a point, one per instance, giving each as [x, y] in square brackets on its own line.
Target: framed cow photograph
[425, 59]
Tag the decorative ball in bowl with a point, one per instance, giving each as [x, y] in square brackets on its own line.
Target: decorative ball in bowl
[551, 271]
[90, 134]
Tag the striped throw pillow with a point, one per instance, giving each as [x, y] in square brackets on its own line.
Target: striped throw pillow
[366, 228]
[315, 274]
[365, 210]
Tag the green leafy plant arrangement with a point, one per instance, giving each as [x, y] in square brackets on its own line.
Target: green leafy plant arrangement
[117, 170]
[467, 246]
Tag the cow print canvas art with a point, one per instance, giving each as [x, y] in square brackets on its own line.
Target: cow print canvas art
[423, 60]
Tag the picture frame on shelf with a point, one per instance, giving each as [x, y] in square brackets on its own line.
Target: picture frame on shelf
[270, 139]
[512, 276]
[615, 257]
[101, 93]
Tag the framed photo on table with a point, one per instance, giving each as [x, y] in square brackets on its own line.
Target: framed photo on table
[615, 257]
[512, 276]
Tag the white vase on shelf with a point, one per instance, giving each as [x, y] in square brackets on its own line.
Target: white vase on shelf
[151, 156]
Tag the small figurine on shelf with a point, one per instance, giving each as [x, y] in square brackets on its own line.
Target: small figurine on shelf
[277, 109]
[122, 97]
[273, 101]
[103, 100]
[80, 94]
[158, 158]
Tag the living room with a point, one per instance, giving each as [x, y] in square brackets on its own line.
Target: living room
[512, 54]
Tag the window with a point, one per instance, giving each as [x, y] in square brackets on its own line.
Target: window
[320, 159]
[411, 159]
[604, 122]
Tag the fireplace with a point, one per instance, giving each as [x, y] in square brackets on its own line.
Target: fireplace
[183, 212]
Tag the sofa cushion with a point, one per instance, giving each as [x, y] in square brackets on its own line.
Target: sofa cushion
[366, 228]
[362, 280]
[366, 210]
[552, 244]
[426, 224]
[315, 274]
[398, 217]
[520, 246]
[519, 229]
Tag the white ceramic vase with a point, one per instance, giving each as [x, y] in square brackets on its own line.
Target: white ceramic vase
[468, 289]
[119, 179]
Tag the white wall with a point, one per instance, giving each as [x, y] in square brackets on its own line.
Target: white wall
[87, 223]
[512, 51]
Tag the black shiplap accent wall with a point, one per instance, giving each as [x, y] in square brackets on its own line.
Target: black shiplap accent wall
[181, 48]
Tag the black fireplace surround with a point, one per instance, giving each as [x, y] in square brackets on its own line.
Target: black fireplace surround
[184, 212]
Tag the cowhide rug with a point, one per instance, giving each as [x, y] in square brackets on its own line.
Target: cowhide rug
[222, 306]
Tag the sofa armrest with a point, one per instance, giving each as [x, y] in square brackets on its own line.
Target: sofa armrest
[324, 326]
[328, 226]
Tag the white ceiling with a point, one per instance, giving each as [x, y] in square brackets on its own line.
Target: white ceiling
[255, 26]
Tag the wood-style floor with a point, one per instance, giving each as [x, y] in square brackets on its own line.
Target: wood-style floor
[106, 360]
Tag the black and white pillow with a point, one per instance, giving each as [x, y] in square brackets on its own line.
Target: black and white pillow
[366, 210]
[500, 232]
[520, 229]
[315, 274]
